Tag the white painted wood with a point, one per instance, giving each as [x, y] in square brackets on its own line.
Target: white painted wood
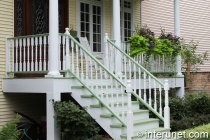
[160, 99]
[116, 31]
[20, 56]
[24, 54]
[53, 39]
[36, 51]
[32, 54]
[166, 108]
[53, 133]
[64, 45]
[59, 52]
[40, 52]
[13, 55]
[68, 61]
[28, 55]
[8, 47]
[45, 57]
[129, 113]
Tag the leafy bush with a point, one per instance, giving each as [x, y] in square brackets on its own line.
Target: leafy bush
[189, 122]
[10, 130]
[202, 128]
[75, 122]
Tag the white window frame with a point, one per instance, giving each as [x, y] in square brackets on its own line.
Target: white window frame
[91, 3]
[122, 11]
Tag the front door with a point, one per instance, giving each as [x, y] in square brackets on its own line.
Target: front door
[32, 16]
[91, 22]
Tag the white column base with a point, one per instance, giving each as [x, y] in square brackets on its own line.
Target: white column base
[53, 74]
[53, 133]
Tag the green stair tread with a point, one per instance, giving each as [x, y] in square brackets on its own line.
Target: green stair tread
[87, 96]
[109, 115]
[115, 94]
[135, 135]
[98, 105]
[142, 121]
[77, 87]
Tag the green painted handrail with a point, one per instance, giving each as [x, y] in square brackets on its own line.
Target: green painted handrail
[140, 99]
[37, 35]
[135, 62]
[116, 78]
[98, 98]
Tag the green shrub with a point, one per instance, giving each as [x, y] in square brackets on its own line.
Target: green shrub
[74, 121]
[202, 128]
[10, 130]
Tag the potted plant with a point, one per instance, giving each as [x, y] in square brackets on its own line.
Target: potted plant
[73, 31]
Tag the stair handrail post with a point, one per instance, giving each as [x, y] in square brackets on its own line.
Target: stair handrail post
[129, 113]
[166, 108]
[106, 53]
[67, 52]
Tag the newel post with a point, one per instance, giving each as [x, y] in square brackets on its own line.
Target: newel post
[67, 51]
[106, 53]
[166, 108]
[129, 113]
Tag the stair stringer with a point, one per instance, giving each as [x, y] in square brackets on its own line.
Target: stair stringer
[96, 112]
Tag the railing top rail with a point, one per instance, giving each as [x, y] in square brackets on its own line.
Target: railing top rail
[108, 71]
[136, 63]
[37, 35]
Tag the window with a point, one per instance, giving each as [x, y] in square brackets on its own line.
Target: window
[91, 22]
[126, 19]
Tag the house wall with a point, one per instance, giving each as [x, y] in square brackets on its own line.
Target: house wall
[194, 21]
[194, 25]
[32, 105]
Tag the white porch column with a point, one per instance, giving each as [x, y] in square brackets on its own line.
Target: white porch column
[116, 33]
[53, 133]
[53, 40]
[177, 33]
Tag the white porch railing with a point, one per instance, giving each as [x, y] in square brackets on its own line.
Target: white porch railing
[152, 63]
[30, 53]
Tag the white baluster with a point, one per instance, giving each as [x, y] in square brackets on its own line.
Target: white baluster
[24, 54]
[129, 64]
[13, 55]
[36, 51]
[40, 53]
[166, 108]
[28, 57]
[140, 86]
[155, 98]
[8, 55]
[163, 64]
[72, 56]
[123, 107]
[16, 54]
[64, 55]
[20, 56]
[134, 70]
[91, 73]
[145, 96]
[117, 98]
[68, 65]
[87, 68]
[129, 113]
[150, 100]
[101, 83]
[107, 93]
[96, 77]
[32, 54]
[45, 46]
[59, 52]
[160, 108]
[106, 59]
[77, 61]
[81, 56]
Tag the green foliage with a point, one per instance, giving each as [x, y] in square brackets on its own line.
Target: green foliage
[189, 122]
[10, 130]
[189, 55]
[139, 45]
[163, 47]
[202, 128]
[74, 121]
[190, 111]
